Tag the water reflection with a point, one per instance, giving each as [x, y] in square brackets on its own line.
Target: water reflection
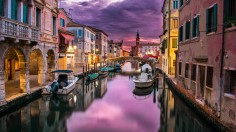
[107, 105]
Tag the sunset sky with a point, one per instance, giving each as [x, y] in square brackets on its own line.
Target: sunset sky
[121, 19]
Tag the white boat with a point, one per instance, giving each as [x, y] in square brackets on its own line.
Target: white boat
[146, 79]
[63, 85]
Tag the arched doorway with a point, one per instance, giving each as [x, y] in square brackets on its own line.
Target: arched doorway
[50, 64]
[36, 68]
[15, 75]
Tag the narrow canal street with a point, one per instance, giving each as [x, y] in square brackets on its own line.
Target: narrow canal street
[107, 104]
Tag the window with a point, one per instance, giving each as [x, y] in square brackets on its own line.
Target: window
[174, 62]
[87, 34]
[193, 72]
[230, 14]
[175, 4]
[181, 3]
[25, 13]
[175, 23]
[91, 36]
[187, 30]
[80, 33]
[54, 25]
[181, 33]
[97, 36]
[180, 68]
[209, 80]
[14, 7]
[38, 17]
[2, 7]
[195, 26]
[174, 43]
[211, 19]
[186, 70]
[230, 82]
[62, 22]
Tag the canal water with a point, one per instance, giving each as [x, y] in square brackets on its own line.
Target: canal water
[110, 104]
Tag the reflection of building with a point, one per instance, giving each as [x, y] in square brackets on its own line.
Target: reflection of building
[169, 38]
[66, 38]
[203, 66]
[100, 45]
[85, 42]
[148, 49]
[167, 101]
[102, 88]
[114, 49]
[29, 44]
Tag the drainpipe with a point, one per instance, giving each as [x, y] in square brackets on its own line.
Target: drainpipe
[221, 64]
[169, 20]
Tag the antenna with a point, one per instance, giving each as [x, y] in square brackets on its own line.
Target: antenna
[70, 13]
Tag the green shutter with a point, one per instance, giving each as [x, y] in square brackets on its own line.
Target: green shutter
[14, 9]
[1, 7]
[197, 30]
[193, 28]
[25, 13]
[207, 29]
[215, 17]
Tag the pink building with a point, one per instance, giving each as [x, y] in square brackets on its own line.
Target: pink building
[202, 38]
[65, 40]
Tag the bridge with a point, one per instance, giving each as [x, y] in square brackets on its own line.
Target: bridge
[130, 58]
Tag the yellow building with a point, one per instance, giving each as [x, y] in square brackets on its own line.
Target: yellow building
[169, 38]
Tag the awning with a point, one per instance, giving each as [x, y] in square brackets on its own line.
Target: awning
[67, 36]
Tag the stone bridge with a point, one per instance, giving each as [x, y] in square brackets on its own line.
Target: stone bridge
[130, 58]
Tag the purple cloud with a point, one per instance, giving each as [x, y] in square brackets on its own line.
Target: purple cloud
[120, 18]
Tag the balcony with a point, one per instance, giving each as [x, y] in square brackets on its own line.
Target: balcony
[13, 29]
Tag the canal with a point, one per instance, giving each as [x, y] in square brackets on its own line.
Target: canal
[110, 104]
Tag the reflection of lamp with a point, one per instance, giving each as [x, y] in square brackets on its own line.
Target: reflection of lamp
[75, 46]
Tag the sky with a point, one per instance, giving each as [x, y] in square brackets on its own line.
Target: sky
[120, 19]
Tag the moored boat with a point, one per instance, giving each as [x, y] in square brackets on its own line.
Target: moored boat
[63, 85]
[109, 69]
[92, 76]
[146, 79]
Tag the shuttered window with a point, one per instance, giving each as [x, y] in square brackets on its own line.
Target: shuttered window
[187, 30]
[14, 6]
[181, 3]
[181, 33]
[62, 22]
[25, 13]
[195, 26]
[211, 19]
[230, 13]
[1, 7]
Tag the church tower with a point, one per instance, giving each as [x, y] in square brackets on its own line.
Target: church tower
[137, 44]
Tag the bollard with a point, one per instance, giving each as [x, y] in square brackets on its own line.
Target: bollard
[164, 79]
[86, 70]
[83, 70]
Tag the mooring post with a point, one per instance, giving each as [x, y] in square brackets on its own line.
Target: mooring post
[86, 69]
[83, 70]
[164, 79]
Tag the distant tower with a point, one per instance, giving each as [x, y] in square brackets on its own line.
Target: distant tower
[137, 44]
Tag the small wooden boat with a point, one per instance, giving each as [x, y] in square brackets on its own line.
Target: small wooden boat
[109, 69]
[63, 85]
[92, 76]
[146, 79]
[118, 66]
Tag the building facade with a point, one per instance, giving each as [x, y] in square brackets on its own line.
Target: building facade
[169, 38]
[29, 45]
[65, 40]
[149, 49]
[114, 49]
[206, 56]
[85, 42]
[101, 43]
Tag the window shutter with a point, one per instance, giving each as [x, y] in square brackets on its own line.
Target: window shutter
[215, 17]
[13, 9]
[2, 7]
[197, 30]
[193, 28]
[25, 13]
[207, 29]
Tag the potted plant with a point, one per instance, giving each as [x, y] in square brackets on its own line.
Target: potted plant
[232, 21]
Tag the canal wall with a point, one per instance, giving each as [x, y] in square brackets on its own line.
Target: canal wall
[18, 102]
[192, 103]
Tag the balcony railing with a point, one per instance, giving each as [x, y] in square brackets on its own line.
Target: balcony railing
[18, 30]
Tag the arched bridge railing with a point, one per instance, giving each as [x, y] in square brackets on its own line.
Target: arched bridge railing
[130, 58]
